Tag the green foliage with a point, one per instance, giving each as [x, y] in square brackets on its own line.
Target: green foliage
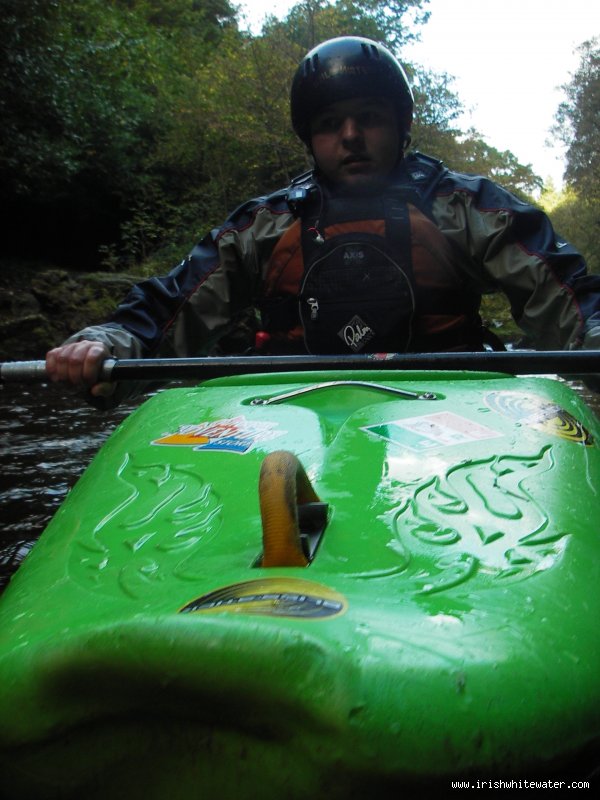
[394, 22]
[576, 211]
[243, 104]
[437, 107]
[86, 92]
[28, 95]
[497, 317]
[476, 156]
[76, 91]
[577, 218]
[234, 133]
[578, 121]
[132, 126]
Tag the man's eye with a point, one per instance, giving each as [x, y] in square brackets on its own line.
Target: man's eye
[326, 124]
[369, 118]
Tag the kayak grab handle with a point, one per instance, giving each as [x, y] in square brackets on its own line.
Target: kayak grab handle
[285, 492]
[280, 398]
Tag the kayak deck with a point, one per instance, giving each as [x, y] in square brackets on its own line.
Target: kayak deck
[445, 625]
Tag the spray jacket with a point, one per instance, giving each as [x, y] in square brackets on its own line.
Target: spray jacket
[461, 236]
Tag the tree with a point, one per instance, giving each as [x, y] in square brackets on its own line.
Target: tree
[576, 218]
[577, 212]
[578, 122]
[133, 125]
[393, 22]
[86, 90]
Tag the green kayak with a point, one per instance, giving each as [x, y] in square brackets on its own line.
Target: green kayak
[313, 586]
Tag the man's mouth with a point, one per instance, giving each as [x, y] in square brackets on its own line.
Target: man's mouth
[355, 159]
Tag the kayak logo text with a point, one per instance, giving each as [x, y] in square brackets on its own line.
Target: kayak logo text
[234, 435]
[272, 597]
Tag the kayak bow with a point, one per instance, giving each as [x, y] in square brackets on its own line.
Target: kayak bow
[430, 610]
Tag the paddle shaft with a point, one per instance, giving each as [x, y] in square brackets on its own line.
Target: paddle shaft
[513, 362]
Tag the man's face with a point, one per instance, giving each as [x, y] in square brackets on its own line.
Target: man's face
[356, 142]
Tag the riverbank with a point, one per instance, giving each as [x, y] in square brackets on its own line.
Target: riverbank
[40, 306]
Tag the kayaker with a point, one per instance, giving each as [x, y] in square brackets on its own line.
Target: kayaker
[375, 249]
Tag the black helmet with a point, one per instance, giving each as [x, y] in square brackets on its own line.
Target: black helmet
[343, 68]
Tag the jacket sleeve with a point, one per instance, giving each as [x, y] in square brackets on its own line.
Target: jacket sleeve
[187, 311]
[508, 245]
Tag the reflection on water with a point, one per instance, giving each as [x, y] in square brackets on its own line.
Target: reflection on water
[47, 438]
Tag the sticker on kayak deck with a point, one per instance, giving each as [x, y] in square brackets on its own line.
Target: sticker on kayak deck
[441, 429]
[271, 597]
[539, 414]
[235, 435]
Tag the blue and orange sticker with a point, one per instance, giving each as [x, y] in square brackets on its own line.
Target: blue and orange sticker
[233, 435]
[539, 414]
[271, 597]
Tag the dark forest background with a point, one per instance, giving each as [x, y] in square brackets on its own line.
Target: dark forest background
[130, 127]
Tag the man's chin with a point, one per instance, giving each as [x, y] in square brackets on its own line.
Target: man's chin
[362, 181]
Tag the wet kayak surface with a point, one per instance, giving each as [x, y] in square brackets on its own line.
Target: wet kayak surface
[48, 436]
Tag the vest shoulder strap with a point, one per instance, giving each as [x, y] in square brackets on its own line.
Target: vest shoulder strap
[419, 176]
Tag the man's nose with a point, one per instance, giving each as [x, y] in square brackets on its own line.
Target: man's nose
[351, 129]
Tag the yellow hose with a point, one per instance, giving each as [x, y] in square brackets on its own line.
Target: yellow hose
[282, 486]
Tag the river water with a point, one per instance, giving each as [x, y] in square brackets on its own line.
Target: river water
[48, 435]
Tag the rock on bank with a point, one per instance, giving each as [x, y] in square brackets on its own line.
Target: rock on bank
[40, 308]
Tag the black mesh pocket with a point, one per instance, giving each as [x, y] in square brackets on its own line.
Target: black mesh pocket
[356, 299]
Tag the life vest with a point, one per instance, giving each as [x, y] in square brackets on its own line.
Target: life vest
[360, 274]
